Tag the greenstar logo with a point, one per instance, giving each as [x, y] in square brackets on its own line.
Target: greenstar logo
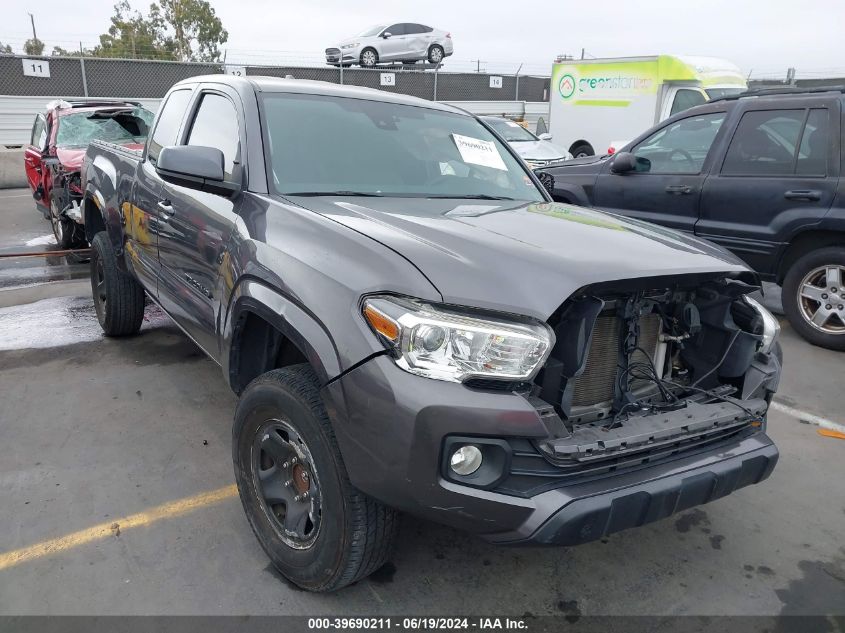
[566, 86]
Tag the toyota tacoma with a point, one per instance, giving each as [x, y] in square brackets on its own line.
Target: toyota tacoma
[413, 325]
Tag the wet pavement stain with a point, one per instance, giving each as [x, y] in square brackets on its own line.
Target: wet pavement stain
[716, 541]
[821, 589]
[691, 519]
[570, 610]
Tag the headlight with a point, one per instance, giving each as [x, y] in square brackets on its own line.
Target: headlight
[771, 327]
[444, 345]
[348, 46]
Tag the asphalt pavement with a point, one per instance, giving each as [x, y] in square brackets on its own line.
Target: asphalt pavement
[116, 492]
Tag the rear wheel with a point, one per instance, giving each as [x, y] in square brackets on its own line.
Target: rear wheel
[369, 58]
[318, 530]
[435, 54]
[814, 297]
[118, 298]
[581, 150]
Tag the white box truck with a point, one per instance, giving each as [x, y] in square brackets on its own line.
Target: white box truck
[598, 104]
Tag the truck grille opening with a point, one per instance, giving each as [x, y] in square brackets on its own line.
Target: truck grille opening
[596, 385]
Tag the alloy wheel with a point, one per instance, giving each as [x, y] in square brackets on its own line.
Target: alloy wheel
[436, 55]
[286, 483]
[368, 58]
[56, 222]
[821, 298]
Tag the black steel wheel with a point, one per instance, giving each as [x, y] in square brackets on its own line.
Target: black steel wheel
[118, 298]
[318, 530]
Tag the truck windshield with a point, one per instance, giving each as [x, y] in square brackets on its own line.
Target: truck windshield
[511, 131]
[324, 145]
[115, 126]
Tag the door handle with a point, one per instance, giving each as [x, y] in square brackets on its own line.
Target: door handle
[166, 208]
[679, 189]
[803, 194]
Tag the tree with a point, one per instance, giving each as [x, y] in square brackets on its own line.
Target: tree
[5, 49]
[133, 35]
[33, 46]
[198, 30]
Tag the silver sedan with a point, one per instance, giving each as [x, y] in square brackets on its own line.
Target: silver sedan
[405, 42]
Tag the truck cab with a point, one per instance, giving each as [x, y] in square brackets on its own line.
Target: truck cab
[598, 105]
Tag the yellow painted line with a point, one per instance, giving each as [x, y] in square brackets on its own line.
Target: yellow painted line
[169, 510]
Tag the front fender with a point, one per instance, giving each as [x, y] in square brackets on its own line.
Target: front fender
[293, 322]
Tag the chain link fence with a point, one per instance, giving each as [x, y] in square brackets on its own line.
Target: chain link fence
[124, 78]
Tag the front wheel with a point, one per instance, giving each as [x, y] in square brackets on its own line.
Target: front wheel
[318, 530]
[814, 297]
[118, 298]
[369, 58]
[65, 230]
[582, 150]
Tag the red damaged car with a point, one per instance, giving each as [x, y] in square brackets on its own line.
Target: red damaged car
[52, 160]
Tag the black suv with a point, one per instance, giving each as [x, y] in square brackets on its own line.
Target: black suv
[758, 173]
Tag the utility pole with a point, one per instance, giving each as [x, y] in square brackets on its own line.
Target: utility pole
[582, 53]
[32, 19]
[478, 63]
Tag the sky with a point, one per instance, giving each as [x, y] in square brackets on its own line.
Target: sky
[763, 37]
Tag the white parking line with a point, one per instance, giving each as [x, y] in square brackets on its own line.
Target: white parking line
[22, 195]
[808, 417]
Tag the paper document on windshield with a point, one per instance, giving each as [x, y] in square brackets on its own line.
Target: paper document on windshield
[478, 152]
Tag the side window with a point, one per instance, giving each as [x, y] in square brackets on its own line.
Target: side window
[679, 148]
[167, 128]
[764, 143]
[414, 29]
[395, 29]
[815, 143]
[685, 99]
[39, 132]
[216, 125]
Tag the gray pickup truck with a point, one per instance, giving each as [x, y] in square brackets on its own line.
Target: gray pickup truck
[413, 325]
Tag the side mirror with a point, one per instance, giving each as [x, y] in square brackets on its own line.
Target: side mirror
[545, 136]
[386, 34]
[623, 162]
[194, 166]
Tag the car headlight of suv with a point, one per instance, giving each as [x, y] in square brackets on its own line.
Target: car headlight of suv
[348, 46]
[438, 343]
[771, 327]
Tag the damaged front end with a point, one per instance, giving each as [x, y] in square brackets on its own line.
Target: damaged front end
[644, 371]
[65, 204]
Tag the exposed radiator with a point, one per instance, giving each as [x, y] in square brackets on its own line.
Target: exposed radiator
[596, 385]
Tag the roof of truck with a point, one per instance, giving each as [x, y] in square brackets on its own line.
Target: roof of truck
[261, 83]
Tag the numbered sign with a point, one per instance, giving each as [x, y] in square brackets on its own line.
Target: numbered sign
[36, 68]
[495, 82]
[388, 79]
[237, 71]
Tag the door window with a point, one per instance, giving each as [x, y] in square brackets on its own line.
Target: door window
[764, 143]
[414, 29]
[169, 120]
[815, 143]
[685, 99]
[216, 125]
[679, 148]
[395, 29]
[39, 133]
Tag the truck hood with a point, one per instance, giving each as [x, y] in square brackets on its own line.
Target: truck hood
[538, 150]
[519, 257]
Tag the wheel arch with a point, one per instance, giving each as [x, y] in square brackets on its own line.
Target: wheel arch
[581, 142]
[265, 330]
[804, 243]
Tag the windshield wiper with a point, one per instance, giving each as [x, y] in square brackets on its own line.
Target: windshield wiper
[470, 196]
[364, 194]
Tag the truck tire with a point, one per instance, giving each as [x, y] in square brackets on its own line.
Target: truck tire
[286, 456]
[118, 298]
[814, 297]
[581, 150]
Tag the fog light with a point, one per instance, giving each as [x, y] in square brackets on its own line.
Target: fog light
[466, 460]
